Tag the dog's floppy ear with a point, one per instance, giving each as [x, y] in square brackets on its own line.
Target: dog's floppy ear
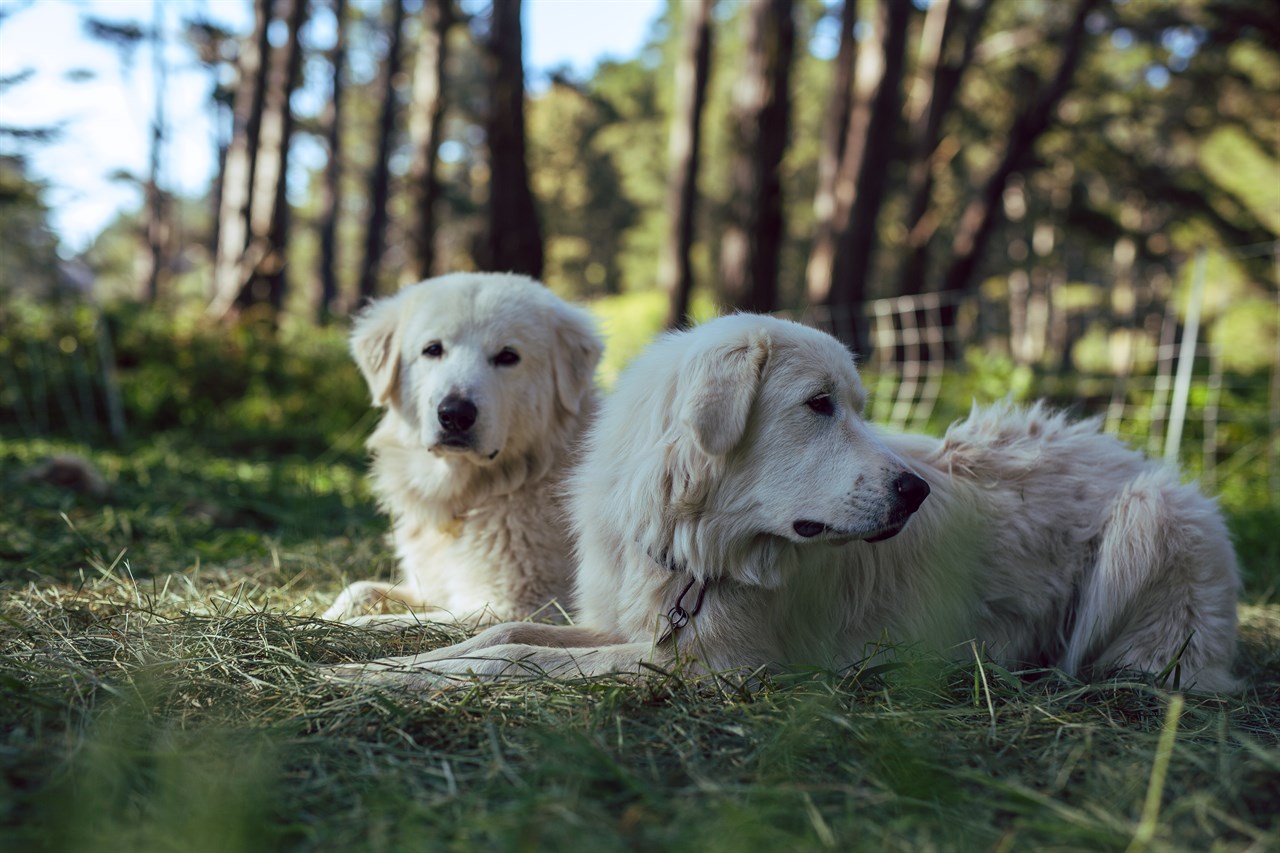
[375, 345]
[577, 352]
[716, 390]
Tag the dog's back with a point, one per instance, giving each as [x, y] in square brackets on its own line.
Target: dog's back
[1099, 559]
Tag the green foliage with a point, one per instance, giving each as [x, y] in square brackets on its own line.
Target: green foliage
[227, 386]
[575, 178]
[996, 376]
[1253, 529]
[298, 392]
[1244, 168]
[631, 321]
[1246, 335]
[27, 243]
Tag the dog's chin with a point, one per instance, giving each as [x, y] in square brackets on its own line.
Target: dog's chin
[888, 532]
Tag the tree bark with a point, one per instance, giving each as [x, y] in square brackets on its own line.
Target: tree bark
[514, 238]
[256, 276]
[380, 178]
[752, 243]
[157, 200]
[209, 41]
[240, 163]
[983, 213]
[675, 273]
[332, 201]
[426, 121]
[869, 153]
[834, 132]
[288, 66]
[839, 258]
[215, 194]
[943, 63]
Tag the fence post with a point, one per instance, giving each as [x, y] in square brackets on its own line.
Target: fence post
[1186, 361]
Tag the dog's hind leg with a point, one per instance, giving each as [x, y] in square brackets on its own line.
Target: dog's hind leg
[1162, 595]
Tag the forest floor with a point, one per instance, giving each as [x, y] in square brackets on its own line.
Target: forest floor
[159, 691]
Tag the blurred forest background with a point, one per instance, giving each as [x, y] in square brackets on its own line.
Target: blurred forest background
[1022, 196]
[1075, 199]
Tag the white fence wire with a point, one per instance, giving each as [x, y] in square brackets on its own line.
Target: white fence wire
[1164, 379]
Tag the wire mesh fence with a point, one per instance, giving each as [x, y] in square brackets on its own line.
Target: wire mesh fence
[1166, 387]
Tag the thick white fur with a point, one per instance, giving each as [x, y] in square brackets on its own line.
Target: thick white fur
[480, 530]
[1043, 540]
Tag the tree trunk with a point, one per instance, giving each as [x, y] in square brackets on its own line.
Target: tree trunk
[752, 243]
[331, 203]
[942, 64]
[215, 193]
[157, 201]
[983, 213]
[513, 239]
[675, 273]
[239, 165]
[261, 268]
[426, 120]
[870, 147]
[835, 129]
[209, 43]
[289, 63]
[380, 179]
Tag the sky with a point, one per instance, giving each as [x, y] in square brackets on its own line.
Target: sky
[105, 119]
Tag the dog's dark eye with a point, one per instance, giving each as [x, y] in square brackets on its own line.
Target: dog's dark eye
[435, 349]
[507, 357]
[822, 404]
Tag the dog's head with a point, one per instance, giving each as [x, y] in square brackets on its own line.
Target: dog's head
[477, 365]
[764, 447]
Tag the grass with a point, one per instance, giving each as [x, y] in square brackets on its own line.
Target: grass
[159, 692]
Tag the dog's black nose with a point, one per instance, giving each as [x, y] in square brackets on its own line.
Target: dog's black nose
[911, 490]
[456, 414]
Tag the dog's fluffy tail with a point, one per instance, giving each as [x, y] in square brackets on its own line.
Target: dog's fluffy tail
[1161, 594]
